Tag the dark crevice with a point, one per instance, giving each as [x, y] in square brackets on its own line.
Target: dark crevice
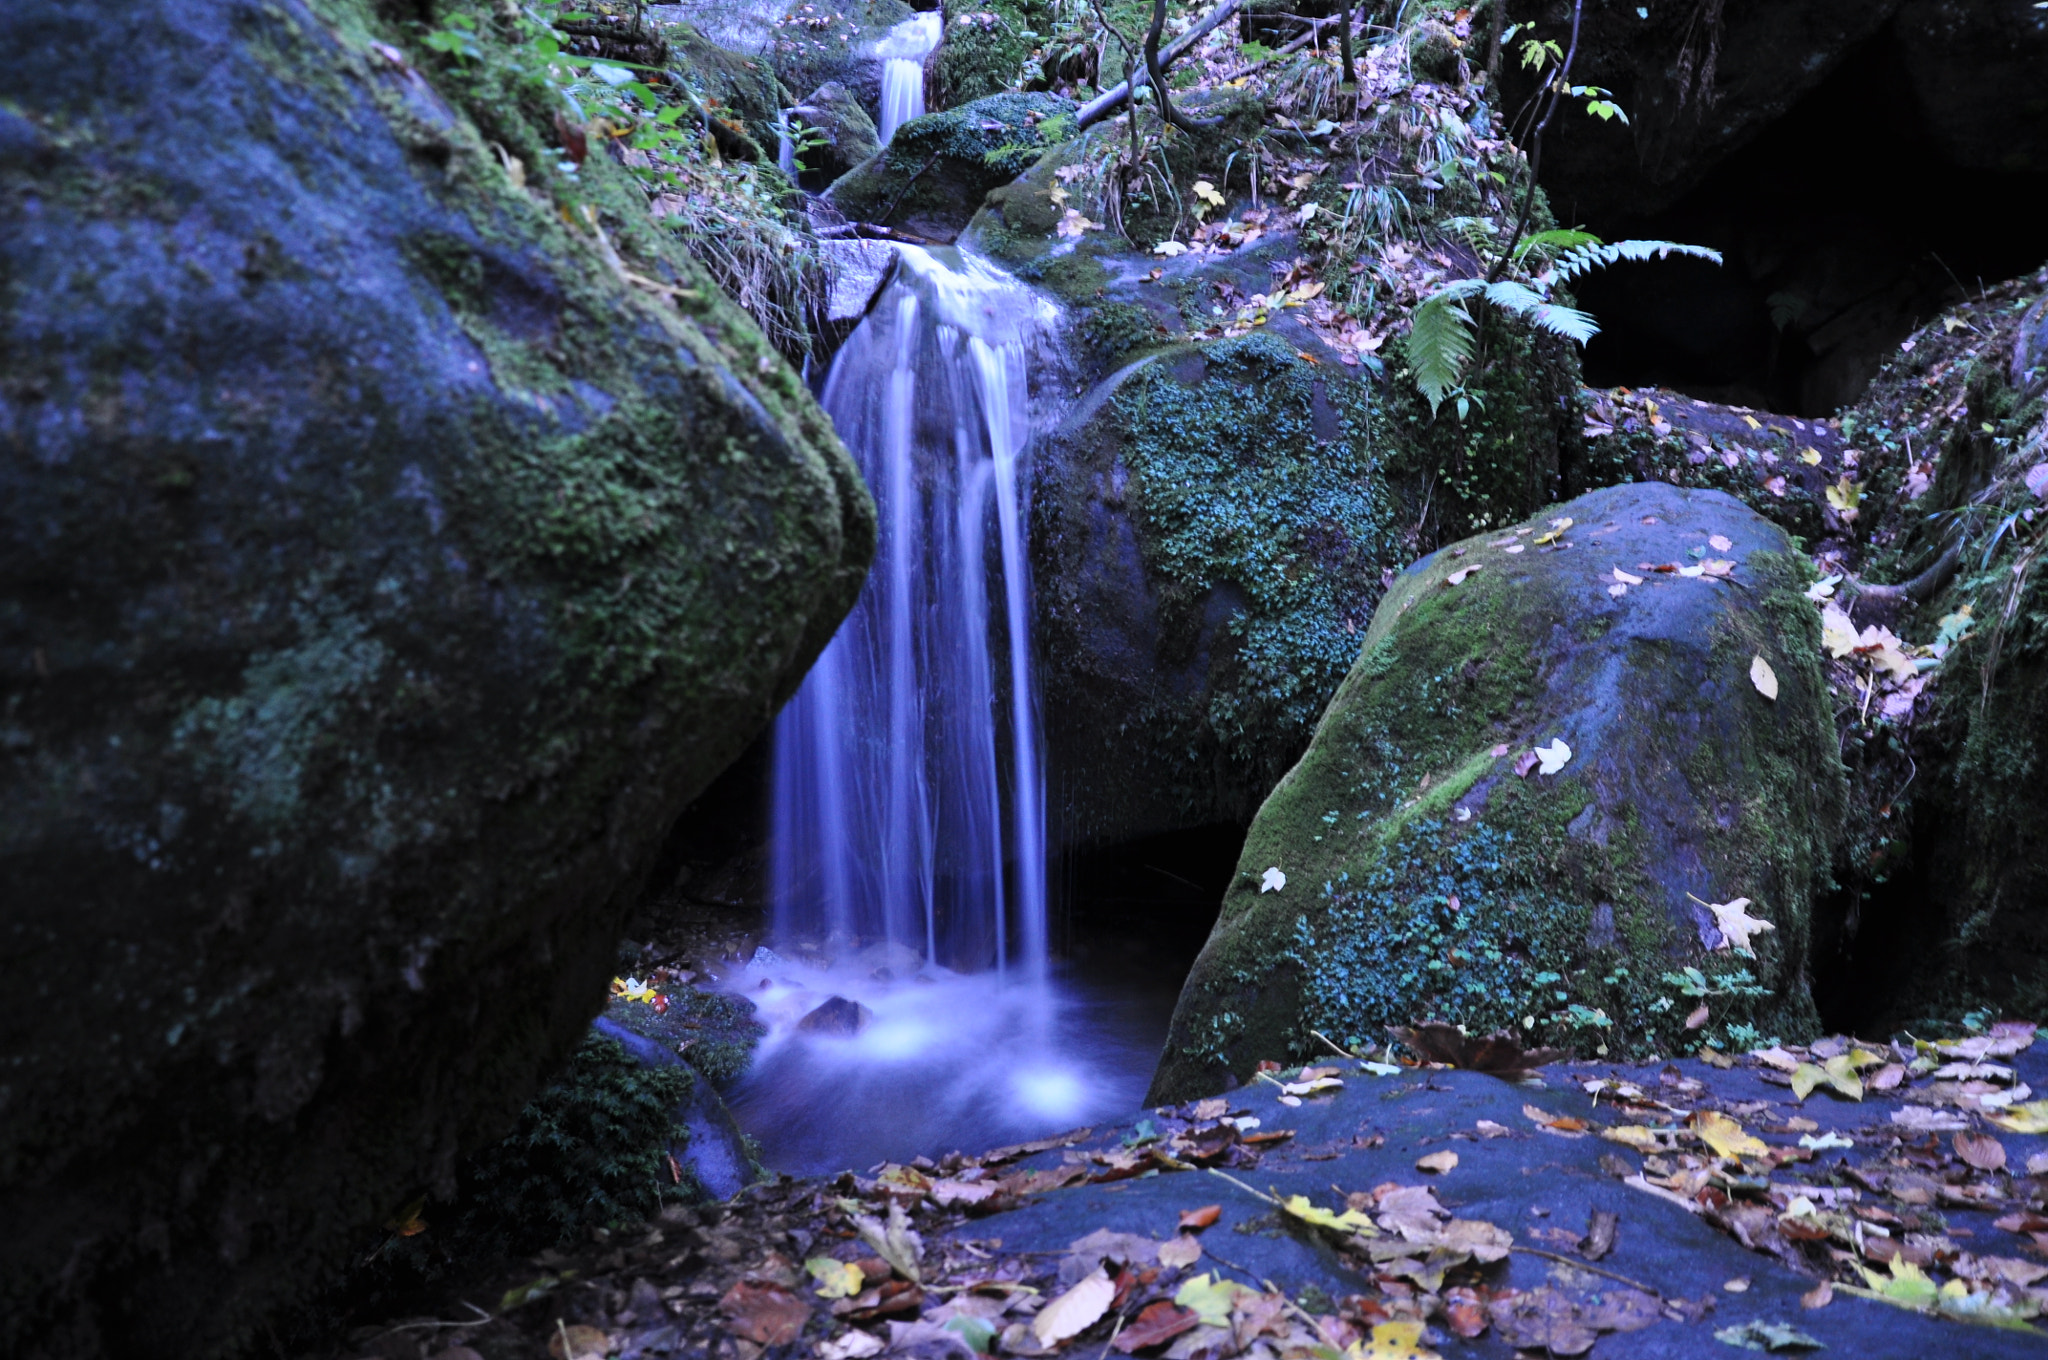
[1843, 225]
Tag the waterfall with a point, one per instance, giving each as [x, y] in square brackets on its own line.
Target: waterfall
[785, 146]
[909, 801]
[903, 52]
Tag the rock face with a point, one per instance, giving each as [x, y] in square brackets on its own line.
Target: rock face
[932, 176]
[1700, 81]
[844, 133]
[379, 576]
[1402, 870]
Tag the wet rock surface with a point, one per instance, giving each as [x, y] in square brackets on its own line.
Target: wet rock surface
[384, 572]
[1427, 858]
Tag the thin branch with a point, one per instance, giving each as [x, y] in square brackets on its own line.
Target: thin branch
[1557, 92]
[1105, 103]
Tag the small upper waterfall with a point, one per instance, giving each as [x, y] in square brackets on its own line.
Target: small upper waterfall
[903, 52]
[907, 773]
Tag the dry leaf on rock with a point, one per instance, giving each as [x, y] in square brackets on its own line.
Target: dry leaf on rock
[1980, 1150]
[1396, 1341]
[1438, 1162]
[1180, 1252]
[766, 1314]
[1736, 924]
[855, 1345]
[1158, 1323]
[1698, 1017]
[1272, 880]
[1457, 578]
[1197, 1219]
[1601, 1227]
[1075, 1311]
[2031, 1117]
[1499, 1054]
[1719, 542]
[1763, 677]
[1552, 758]
[578, 1343]
[1726, 1137]
[836, 1279]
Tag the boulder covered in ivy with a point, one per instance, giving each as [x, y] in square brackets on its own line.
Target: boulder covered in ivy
[1577, 757]
[397, 530]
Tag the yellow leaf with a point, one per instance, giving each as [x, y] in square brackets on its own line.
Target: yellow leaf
[1394, 1341]
[1763, 677]
[1557, 528]
[2031, 1117]
[1736, 924]
[1458, 577]
[1809, 457]
[1841, 1073]
[1752, 422]
[1906, 1284]
[1075, 1311]
[1641, 1137]
[1350, 1221]
[1206, 192]
[1725, 1136]
[1209, 1298]
[1804, 1078]
[836, 1279]
[1844, 495]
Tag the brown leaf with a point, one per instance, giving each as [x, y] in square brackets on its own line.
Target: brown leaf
[1498, 1054]
[1820, 1296]
[765, 1314]
[1981, 1150]
[1196, 1219]
[1158, 1323]
[1180, 1252]
[1525, 762]
[1464, 1311]
[581, 1342]
[1600, 1230]
[1698, 1017]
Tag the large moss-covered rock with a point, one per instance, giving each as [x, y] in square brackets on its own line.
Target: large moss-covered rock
[932, 176]
[836, 133]
[1425, 879]
[380, 573]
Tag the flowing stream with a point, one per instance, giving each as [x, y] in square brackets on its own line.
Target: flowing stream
[908, 844]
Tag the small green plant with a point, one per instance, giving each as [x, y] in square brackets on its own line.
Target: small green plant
[1442, 335]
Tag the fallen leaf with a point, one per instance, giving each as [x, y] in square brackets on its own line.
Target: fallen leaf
[1169, 248]
[1525, 762]
[1210, 1298]
[578, 1343]
[1617, 590]
[1738, 1285]
[1458, 577]
[1488, 1129]
[1810, 457]
[1157, 1323]
[1272, 880]
[1719, 542]
[1601, 1227]
[1822, 1142]
[1823, 588]
[1759, 1335]
[1820, 1296]
[836, 1279]
[1763, 677]
[855, 1345]
[1557, 528]
[1980, 1150]
[1726, 1137]
[893, 1242]
[2031, 1117]
[1075, 1311]
[1438, 1162]
[1464, 1311]
[1698, 1016]
[1396, 1341]
[766, 1314]
[1180, 1252]
[1625, 579]
[1197, 1219]
[1735, 924]
[1350, 1221]
[1552, 758]
[1553, 1123]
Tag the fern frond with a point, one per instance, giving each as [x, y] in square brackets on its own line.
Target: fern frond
[1559, 239]
[1524, 301]
[1439, 342]
[1576, 262]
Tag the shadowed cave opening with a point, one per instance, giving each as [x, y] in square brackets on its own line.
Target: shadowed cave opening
[1843, 226]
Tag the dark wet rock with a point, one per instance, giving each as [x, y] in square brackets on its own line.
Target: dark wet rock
[379, 576]
[1404, 869]
[936, 170]
[981, 55]
[712, 1148]
[836, 1015]
[826, 43]
[1699, 82]
[844, 133]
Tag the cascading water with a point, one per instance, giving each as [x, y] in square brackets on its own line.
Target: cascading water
[903, 53]
[785, 146]
[908, 846]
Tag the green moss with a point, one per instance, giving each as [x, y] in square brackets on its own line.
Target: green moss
[942, 164]
[984, 54]
[716, 1031]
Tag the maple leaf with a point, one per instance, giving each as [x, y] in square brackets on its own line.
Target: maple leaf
[1736, 924]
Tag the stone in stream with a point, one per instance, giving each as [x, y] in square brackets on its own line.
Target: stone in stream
[381, 572]
[836, 1015]
[844, 133]
[931, 178]
[1434, 869]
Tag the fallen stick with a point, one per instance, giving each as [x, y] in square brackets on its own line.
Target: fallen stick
[1099, 107]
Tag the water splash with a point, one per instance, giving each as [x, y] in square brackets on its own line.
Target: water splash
[785, 146]
[903, 52]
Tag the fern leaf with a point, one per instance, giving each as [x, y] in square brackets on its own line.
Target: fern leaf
[1576, 262]
[1524, 301]
[1439, 341]
[1562, 238]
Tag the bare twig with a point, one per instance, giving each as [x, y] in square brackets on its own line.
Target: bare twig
[1558, 87]
[1587, 1266]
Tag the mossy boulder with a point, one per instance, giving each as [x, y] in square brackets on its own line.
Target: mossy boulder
[839, 132]
[933, 175]
[810, 46]
[1425, 879]
[381, 572]
[983, 54]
